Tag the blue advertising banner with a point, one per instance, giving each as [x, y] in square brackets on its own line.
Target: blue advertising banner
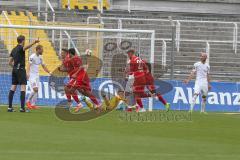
[223, 96]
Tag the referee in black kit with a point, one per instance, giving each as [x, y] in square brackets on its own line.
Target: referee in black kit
[19, 77]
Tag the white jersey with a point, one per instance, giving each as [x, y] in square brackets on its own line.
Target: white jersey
[35, 61]
[202, 70]
[201, 84]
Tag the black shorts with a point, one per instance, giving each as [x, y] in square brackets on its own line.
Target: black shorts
[19, 77]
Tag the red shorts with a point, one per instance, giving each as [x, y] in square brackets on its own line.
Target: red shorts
[83, 81]
[150, 82]
[138, 89]
[139, 82]
[145, 79]
[139, 78]
[71, 82]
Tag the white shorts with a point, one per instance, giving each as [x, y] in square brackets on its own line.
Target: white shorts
[129, 85]
[201, 88]
[34, 82]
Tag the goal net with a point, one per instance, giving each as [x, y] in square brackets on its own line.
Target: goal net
[102, 50]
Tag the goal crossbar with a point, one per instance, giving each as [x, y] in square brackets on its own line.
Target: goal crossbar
[76, 29]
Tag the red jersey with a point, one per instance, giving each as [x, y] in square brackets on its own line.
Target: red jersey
[66, 63]
[146, 68]
[137, 70]
[136, 64]
[75, 63]
[72, 64]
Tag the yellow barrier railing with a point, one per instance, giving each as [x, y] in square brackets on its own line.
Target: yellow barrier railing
[86, 4]
[80, 38]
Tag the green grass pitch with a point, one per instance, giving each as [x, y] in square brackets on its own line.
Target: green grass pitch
[39, 135]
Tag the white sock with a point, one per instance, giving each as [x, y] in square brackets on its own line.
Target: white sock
[34, 98]
[203, 106]
[30, 96]
[193, 102]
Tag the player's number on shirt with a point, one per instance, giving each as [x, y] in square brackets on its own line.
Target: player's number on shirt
[140, 64]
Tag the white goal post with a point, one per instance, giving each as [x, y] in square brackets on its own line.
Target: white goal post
[61, 28]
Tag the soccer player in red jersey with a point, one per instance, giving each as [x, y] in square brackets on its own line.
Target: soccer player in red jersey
[143, 77]
[68, 67]
[81, 81]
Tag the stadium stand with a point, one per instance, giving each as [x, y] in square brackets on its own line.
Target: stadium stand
[84, 4]
[187, 6]
[21, 18]
[194, 35]
[51, 54]
[73, 4]
[196, 31]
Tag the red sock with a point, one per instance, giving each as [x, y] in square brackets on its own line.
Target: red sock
[139, 102]
[94, 100]
[76, 99]
[69, 97]
[161, 99]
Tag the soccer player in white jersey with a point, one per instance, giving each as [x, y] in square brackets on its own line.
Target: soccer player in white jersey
[202, 84]
[35, 60]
